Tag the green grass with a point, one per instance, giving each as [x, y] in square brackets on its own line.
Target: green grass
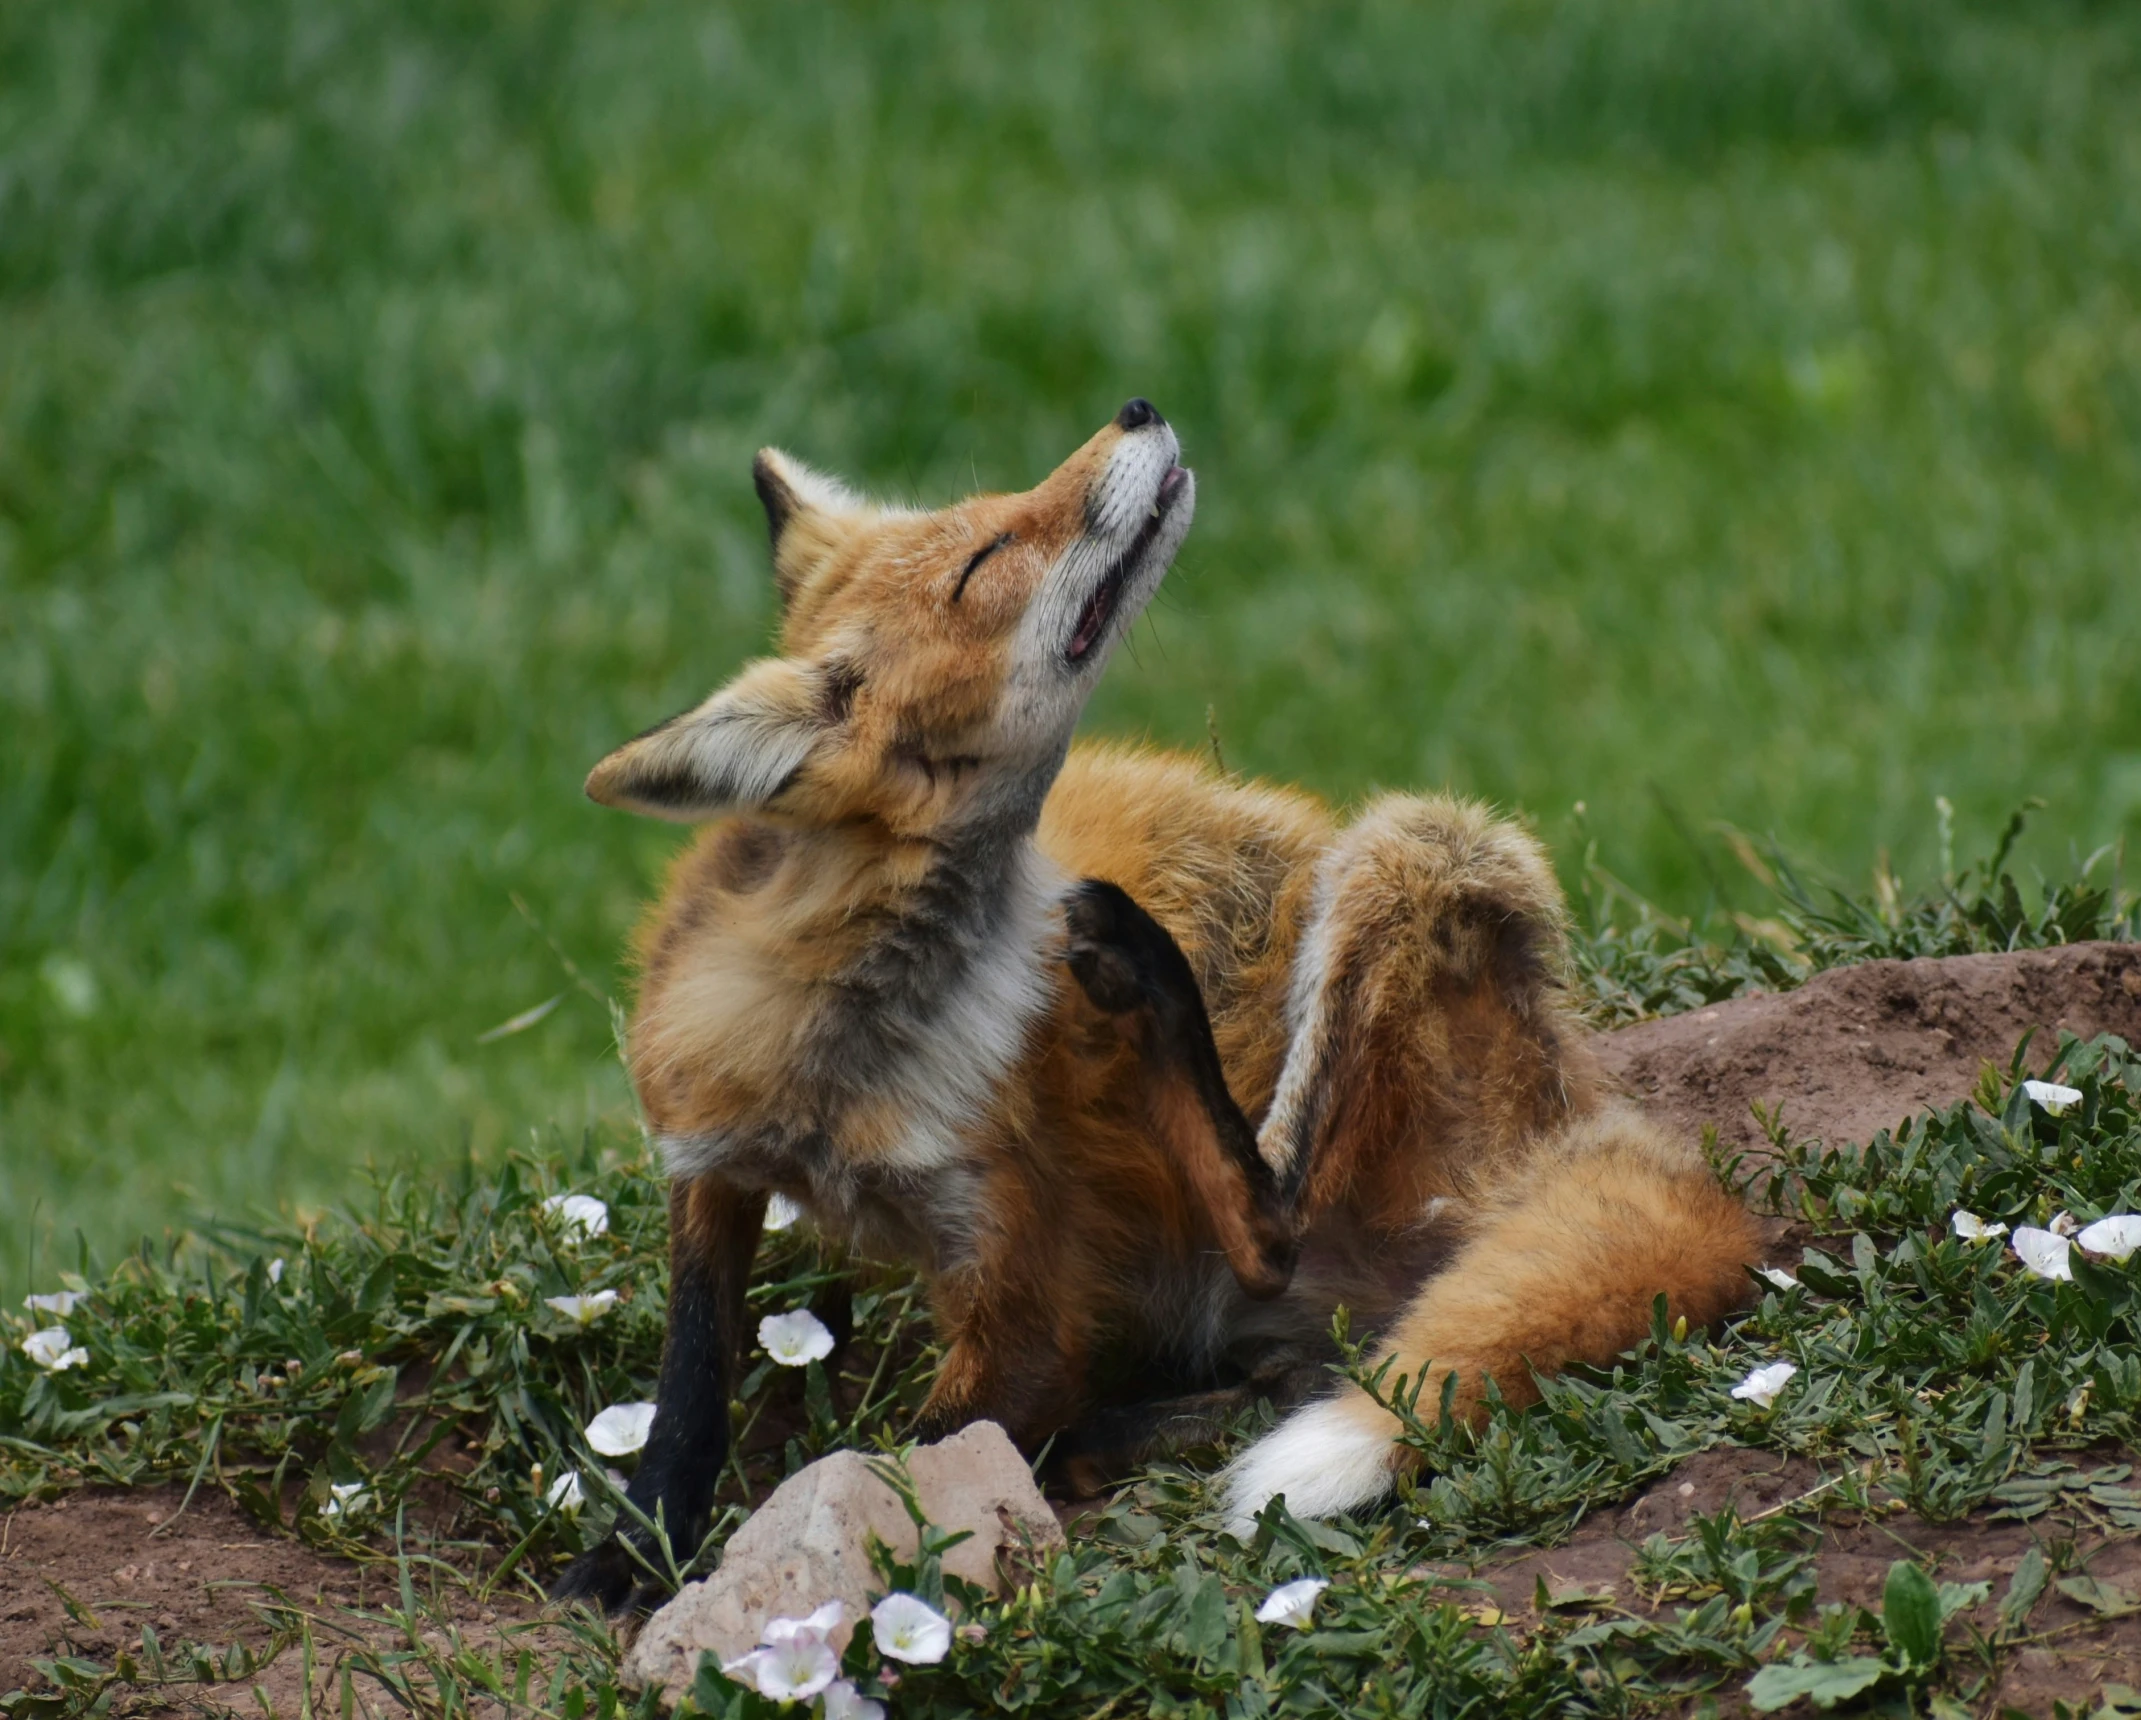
[1936, 1379]
[1703, 410]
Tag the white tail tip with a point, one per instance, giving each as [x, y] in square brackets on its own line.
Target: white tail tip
[1326, 1458]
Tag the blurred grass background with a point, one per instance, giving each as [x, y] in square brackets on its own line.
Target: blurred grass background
[1701, 409]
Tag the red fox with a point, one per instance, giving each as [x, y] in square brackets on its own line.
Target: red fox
[1147, 1069]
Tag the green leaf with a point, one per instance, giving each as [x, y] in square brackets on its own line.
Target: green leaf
[1823, 1682]
[2023, 1590]
[2099, 1596]
[1910, 1614]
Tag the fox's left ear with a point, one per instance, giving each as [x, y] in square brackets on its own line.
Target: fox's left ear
[736, 751]
[807, 515]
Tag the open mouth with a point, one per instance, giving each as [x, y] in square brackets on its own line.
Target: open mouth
[1100, 608]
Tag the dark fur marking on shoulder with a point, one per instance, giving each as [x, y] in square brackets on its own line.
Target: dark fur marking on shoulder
[746, 857]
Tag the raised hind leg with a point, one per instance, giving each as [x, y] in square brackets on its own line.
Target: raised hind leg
[1429, 1034]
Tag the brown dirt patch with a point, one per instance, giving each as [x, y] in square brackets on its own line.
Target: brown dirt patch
[1856, 1050]
[126, 1561]
[2073, 1650]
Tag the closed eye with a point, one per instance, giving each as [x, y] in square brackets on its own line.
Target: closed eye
[976, 559]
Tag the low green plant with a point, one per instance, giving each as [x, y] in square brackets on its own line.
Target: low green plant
[1935, 1375]
[1634, 961]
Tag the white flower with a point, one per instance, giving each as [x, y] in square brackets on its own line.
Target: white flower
[345, 1498]
[781, 1212]
[578, 1214]
[820, 1624]
[1291, 1603]
[2052, 1098]
[2115, 1237]
[841, 1703]
[1972, 1228]
[1761, 1387]
[565, 1495]
[2043, 1252]
[621, 1429]
[791, 1671]
[59, 1302]
[275, 1270]
[795, 1339]
[49, 1350]
[1782, 1279]
[910, 1629]
[584, 1309]
[2063, 1224]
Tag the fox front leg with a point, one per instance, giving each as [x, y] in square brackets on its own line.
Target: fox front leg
[1130, 967]
[713, 1238]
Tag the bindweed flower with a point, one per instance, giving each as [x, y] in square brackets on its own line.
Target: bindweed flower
[781, 1212]
[1972, 1228]
[2115, 1237]
[275, 1270]
[2051, 1098]
[794, 1660]
[842, 1703]
[2043, 1253]
[59, 1303]
[53, 1350]
[578, 1215]
[820, 1624]
[910, 1629]
[1782, 1279]
[1761, 1387]
[345, 1499]
[2063, 1224]
[565, 1495]
[583, 1310]
[621, 1429]
[1292, 1603]
[790, 1671]
[795, 1340]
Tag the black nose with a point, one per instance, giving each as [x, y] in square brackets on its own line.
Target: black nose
[1137, 414]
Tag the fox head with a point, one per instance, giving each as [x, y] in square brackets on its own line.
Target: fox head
[932, 665]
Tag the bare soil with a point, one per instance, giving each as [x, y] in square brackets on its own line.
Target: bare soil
[1857, 1049]
[82, 1575]
[1853, 1051]
[2073, 1650]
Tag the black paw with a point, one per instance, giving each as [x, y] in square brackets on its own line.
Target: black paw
[604, 1577]
[1123, 957]
[608, 1579]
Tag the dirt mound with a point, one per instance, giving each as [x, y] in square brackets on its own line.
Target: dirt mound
[1858, 1049]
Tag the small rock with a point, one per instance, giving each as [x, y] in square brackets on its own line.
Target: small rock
[810, 1542]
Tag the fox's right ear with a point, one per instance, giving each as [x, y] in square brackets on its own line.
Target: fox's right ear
[737, 750]
[807, 514]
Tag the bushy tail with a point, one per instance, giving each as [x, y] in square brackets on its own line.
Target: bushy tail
[1565, 1256]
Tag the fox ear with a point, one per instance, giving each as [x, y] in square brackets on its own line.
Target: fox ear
[807, 513]
[737, 750]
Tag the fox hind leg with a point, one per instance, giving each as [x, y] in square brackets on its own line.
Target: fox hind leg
[1425, 1013]
[1130, 967]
